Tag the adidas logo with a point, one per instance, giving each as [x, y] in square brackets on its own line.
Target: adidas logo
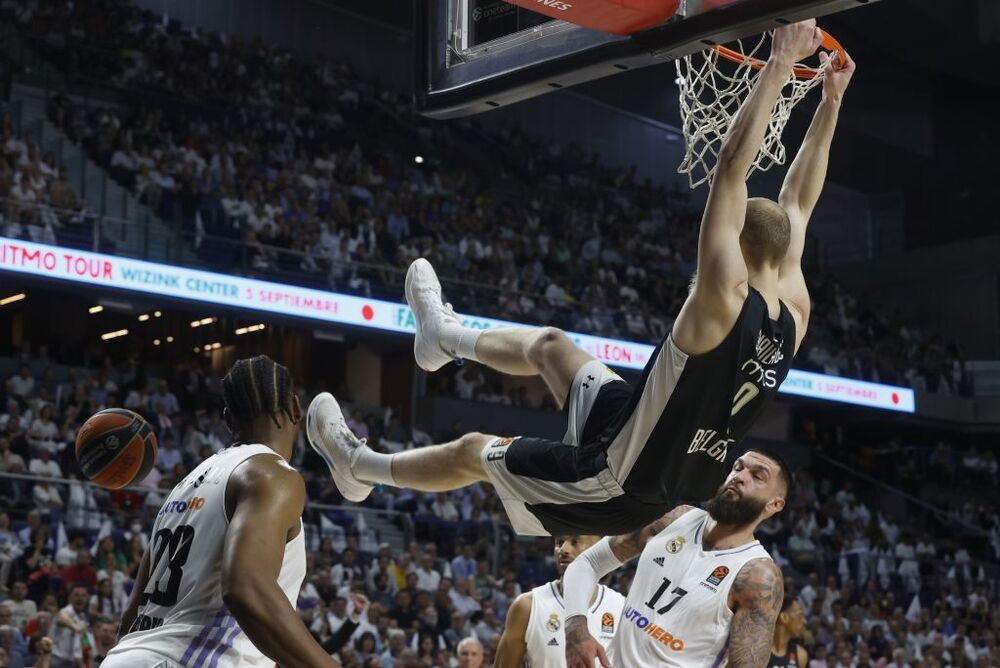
[658, 561]
[553, 643]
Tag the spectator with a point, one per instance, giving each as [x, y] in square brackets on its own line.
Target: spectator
[347, 570]
[444, 508]
[105, 635]
[10, 549]
[428, 579]
[105, 603]
[22, 384]
[71, 626]
[461, 599]
[46, 496]
[470, 653]
[164, 400]
[21, 607]
[168, 456]
[81, 573]
[10, 461]
[44, 433]
[44, 465]
[464, 565]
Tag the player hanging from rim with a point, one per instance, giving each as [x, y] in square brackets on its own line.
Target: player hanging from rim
[534, 633]
[704, 589]
[218, 584]
[630, 455]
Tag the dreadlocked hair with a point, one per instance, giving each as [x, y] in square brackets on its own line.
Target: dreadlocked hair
[257, 386]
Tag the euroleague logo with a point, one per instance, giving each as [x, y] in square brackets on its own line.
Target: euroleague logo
[607, 623]
[498, 447]
[112, 443]
[718, 575]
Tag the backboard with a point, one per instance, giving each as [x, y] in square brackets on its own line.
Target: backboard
[476, 55]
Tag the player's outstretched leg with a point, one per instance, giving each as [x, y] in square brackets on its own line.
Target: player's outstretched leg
[333, 440]
[515, 351]
[356, 467]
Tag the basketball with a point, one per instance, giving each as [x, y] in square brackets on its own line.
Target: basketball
[115, 448]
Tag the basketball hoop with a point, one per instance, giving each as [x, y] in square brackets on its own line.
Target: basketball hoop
[710, 97]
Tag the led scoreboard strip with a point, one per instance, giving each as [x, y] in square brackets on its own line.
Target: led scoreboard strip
[195, 285]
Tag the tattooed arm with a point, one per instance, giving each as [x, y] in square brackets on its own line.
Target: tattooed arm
[582, 577]
[756, 599]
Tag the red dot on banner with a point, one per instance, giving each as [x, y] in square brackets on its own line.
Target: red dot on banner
[895, 398]
[367, 312]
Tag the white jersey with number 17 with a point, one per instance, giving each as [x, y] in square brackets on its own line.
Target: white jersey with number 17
[677, 612]
[181, 613]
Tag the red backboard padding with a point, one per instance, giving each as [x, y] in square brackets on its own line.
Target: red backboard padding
[618, 17]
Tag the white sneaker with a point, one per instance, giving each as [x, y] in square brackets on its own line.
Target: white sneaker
[334, 441]
[423, 294]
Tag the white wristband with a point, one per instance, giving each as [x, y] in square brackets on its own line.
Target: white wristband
[584, 573]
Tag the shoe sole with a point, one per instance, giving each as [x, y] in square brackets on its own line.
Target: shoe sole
[351, 490]
[429, 365]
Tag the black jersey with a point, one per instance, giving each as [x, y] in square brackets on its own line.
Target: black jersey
[715, 399]
[790, 659]
[669, 440]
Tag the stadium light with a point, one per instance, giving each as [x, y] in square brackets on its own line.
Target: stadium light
[156, 314]
[170, 339]
[248, 330]
[419, 160]
[144, 317]
[203, 321]
[156, 342]
[95, 309]
[114, 335]
[13, 298]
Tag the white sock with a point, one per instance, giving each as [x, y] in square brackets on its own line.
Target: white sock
[373, 467]
[460, 341]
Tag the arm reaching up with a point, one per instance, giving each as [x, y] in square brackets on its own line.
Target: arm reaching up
[720, 286]
[804, 184]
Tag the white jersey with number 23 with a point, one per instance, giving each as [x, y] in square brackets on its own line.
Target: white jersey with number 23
[181, 614]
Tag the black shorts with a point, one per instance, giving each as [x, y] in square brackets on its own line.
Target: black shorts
[567, 487]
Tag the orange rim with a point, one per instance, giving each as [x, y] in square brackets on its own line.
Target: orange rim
[801, 71]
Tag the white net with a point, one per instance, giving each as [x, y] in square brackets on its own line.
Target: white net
[712, 88]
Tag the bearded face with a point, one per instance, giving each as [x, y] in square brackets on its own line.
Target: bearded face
[730, 506]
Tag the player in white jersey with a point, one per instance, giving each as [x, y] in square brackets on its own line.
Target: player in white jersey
[533, 633]
[218, 584]
[705, 591]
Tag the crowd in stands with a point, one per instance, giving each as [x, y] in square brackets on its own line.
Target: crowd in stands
[36, 199]
[305, 171]
[877, 588]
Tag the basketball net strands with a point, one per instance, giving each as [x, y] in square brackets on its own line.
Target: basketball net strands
[713, 82]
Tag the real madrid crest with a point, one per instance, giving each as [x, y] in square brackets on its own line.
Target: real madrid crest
[553, 623]
[675, 544]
